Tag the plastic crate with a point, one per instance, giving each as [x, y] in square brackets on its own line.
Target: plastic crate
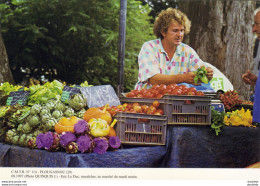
[188, 110]
[132, 131]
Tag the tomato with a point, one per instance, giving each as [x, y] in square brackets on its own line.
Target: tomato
[113, 110]
[129, 106]
[154, 92]
[159, 96]
[135, 104]
[151, 110]
[166, 91]
[191, 93]
[187, 101]
[145, 108]
[159, 112]
[143, 91]
[200, 93]
[192, 89]
[143, 120]
[161, 88]
[132, 111]
[130, 95]
[148, 95]
[182, 86]
[184, 92]
[173, 85]
[176, 92]
[156, 104]
[137, 108]
[155, 87]
[139, 95]
[125, 105]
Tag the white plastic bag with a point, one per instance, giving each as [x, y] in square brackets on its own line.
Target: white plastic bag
[219, 80]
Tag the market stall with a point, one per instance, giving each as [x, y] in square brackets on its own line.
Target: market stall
[89, 126]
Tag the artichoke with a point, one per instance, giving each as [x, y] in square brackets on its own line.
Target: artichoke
[44, 110]
[57, 114]
[36, 132]
[31, 143]
[50, 105]
[26, 129]
[77, 102]
[19, 128]
[72, 147]
[48, 140]
[35, 109]
[22, 140]
[68, 112]
[49, 125]
[15, 140]
[9, 135]
[45, 117]
[81, 113]
[56, 142]
[60, 106]
[34, 120]
[14, 119]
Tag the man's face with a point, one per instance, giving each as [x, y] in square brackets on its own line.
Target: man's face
[256, 26]
[174, 34]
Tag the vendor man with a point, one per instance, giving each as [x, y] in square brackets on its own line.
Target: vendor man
[166, 59]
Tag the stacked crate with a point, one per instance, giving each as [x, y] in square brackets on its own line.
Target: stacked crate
[141, 129]
[147, 129]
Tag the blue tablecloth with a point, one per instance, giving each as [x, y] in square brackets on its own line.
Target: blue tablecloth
[199, 147]
[186, 147]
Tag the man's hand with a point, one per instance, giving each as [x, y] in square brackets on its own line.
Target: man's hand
[249, 78]
[189, 77]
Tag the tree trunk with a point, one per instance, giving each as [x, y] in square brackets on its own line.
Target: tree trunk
[5, 72]
[221, 33]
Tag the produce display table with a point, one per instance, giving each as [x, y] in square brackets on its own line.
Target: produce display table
[198, 147]
[15, 156]
[187, 147]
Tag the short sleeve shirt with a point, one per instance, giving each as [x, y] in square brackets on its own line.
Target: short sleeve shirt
[154, 60]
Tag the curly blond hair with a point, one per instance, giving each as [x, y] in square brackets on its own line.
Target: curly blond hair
[166, 17]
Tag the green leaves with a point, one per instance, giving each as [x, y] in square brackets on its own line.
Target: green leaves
[42, 93]
[217, 120]
[201, 74]
[7, 88]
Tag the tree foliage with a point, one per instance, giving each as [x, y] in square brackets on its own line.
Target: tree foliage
[73, 41]
[159, 5]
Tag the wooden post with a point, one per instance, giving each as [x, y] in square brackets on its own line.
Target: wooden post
[121, 46]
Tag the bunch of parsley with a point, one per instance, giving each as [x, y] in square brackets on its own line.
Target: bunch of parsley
[217, 120]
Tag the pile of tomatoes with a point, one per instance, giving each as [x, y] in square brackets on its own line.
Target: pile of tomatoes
[136, 108]
[158, 91]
